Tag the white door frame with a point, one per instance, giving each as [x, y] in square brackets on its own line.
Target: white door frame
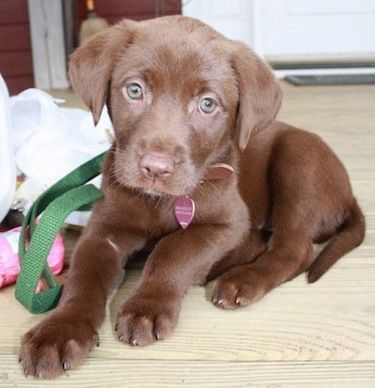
[236, 19]
[254, 13]
[48, 44]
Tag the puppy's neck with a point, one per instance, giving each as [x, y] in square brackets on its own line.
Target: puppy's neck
[218, 171]
[222, 164]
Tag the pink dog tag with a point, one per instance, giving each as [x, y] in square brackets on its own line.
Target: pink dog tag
[184, 209]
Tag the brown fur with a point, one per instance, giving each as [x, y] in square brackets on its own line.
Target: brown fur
[254, 230]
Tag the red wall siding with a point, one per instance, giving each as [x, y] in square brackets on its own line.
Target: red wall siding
[15, 47]
[115, 10]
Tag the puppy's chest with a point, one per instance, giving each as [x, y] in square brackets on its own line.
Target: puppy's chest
[157, 217]
[160, 220]
[152, 217]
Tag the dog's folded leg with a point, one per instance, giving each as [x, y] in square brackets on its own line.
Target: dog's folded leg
[246, 253]
[63, 339]
[290, 253]
[178, 261]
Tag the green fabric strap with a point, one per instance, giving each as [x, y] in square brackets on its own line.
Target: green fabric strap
[68, 194]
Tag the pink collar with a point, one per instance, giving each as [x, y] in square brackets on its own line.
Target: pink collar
[219, 171]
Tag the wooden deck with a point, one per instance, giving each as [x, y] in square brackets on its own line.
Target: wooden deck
[320, 335]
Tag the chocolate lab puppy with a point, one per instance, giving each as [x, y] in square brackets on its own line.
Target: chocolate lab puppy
[200, 166]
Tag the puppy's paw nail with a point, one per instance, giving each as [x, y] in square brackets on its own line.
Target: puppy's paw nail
[238, 301]
[66, 365]
[220, 301]
[134, 342]
[214, 300]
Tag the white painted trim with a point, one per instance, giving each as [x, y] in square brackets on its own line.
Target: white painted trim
[257, 23]
[236, 19]
[48, 45]
[360, 70]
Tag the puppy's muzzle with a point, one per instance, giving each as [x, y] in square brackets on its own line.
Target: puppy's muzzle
[156, 166]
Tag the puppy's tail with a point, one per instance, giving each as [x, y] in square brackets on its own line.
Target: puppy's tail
[350, 234]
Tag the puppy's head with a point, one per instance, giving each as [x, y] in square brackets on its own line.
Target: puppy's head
[180, 96]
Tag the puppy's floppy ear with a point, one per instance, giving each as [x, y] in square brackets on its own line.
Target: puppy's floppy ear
[260, 94]
[91, 65]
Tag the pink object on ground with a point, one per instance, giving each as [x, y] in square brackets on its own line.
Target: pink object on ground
[9, 263]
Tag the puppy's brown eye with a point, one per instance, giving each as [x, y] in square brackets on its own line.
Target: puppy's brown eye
[134, 91]
[207, 105]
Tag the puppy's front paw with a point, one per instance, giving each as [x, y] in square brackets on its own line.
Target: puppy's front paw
[237, 288]
[56, 345]
[146, 319]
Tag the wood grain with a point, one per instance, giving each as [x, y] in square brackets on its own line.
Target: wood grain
[15, 37]
[300, 335]
[13, 11]
[114, 10]
[15, 51]
[17, 84]
[210, 374]
[16, 63]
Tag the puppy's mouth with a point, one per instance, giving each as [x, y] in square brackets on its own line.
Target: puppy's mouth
[158, 179]
[179, 183]
[174, 186]
[155, 187]
[154, 190]
[155, 174]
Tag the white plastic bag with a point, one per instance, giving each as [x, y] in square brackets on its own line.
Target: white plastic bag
[7, 166]
[44, 142]
[50, 141]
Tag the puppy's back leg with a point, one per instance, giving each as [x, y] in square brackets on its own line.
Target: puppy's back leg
[289, 250]
[246, 253]
[289, 254]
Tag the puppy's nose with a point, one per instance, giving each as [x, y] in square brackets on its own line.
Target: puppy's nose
[156, 166]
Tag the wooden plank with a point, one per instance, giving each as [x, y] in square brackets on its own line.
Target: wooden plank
[13, 11]
[15, 37]
[300, 335]
[19, 83]
[113, 8]
[47, 37]
[16, 63]
[171, 7]
[135, 7]
[330, 320]
[15, 50]
[114, 11]
[154, 374]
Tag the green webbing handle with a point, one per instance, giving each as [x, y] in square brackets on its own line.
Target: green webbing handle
[65, 196]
